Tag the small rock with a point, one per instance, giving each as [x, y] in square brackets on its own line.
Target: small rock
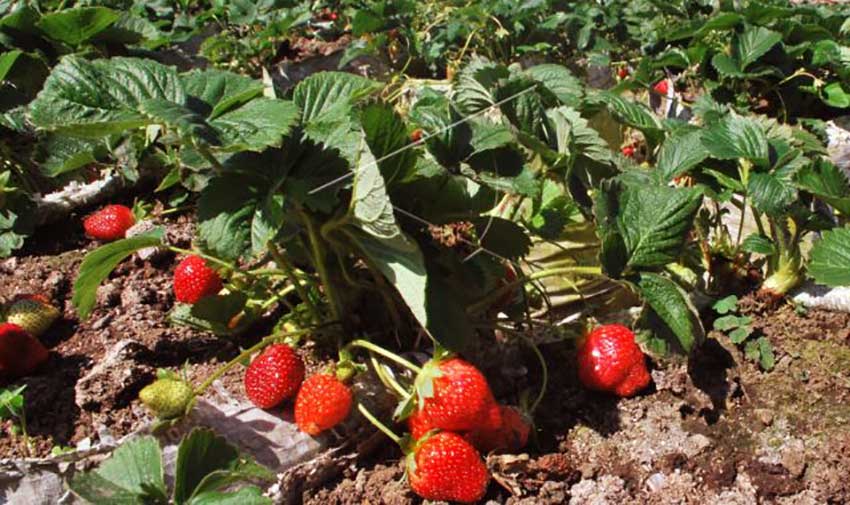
[794, 458]
[102, 322]
[765, 416]
[108, 295]
[131, 297]
[696, 444]
[656, 481]
[55, 283]
[10, 265]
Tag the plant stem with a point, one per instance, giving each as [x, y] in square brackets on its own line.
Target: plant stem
[282, 262]
[205, 152]
[242, 355]
[207, 257]
[741, 222]
[24, 434]
[365, 344]
[320, 260]
[387, 380]
[378, 424]
[545, 372]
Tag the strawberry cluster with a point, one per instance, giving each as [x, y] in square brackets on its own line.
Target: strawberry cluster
[321, 401]
[450, 426]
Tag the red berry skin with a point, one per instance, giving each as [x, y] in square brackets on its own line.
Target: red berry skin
[20, 352]
[109, 223]
[418, 425]
[194, 280]
[622, 72]
[628, 151]
[511, 436]
[462, 398]
[445, 467]
[322, 403]
[662, 87]
[611, 361]
[416, 135]
[274, 376]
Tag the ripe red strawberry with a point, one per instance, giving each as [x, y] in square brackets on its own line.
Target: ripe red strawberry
[445, 467]
[194, 280]
[33, 313]
[461, 399]
[610, 360]
[662, 87]
[20, 352]
[109, 223]
[418, 425]
[511, 435]
[628, 151]
[274, 376]
[322, 403]
[623, 72]
[333, 16]
[416, 135]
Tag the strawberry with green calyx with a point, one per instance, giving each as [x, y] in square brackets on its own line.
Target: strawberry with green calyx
[109, 223]
[20, 352]
[33, 313]
[322, 403]
[195, 280]
[168, 397]
[274, 376]
[439, 465]
[453, 395]
[445, 467]
[610, 360]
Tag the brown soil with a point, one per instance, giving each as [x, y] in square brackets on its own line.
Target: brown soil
[719, 431]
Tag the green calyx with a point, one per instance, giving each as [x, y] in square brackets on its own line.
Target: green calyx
[167, 398]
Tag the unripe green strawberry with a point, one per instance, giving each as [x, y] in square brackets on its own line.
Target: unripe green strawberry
[167, 398]
[33, 313]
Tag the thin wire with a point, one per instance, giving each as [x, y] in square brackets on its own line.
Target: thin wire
[421, 140]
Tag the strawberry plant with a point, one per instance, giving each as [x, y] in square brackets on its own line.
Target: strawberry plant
[12, 407]
[208, 470]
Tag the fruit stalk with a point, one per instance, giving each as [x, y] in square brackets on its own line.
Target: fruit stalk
[320, 260]
[283, 263]
[365, 344]
[378, 424]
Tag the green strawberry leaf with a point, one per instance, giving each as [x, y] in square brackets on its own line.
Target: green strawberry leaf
[99, 263]
[213, 92]
[735, 137]
[132, 475]
[726, 305]
[92, 99]
[830, 258]
[75, 26]
[207, 463]
[672, 306]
